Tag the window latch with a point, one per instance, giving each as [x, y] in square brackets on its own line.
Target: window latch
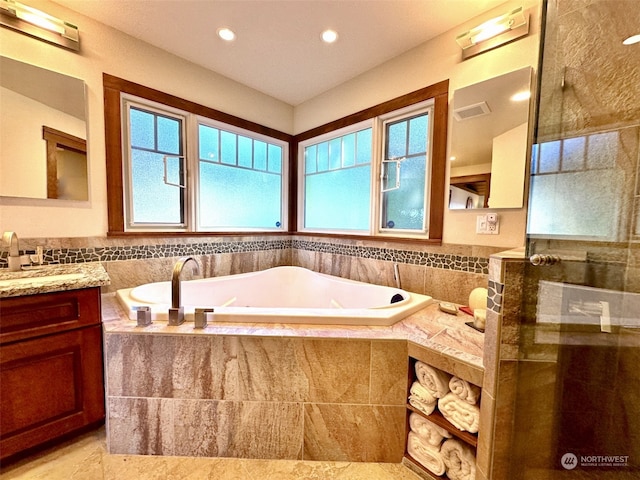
[165, 177]
[384, 176]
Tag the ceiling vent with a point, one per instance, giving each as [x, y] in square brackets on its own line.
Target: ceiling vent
[471, 111]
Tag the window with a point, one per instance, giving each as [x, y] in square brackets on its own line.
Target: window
[371, 178]
[190, 169]
[240, 180]
[337, 181]
[187, 168]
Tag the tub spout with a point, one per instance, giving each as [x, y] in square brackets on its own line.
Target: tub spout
[176, 312]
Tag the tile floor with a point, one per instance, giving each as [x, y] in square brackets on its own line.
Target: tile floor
[86, 458]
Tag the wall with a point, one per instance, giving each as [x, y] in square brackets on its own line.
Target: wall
[131, 59]
[448, 272]
[431, 62]
[104, 49]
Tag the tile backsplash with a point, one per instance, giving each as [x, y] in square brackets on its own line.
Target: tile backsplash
[446, 272]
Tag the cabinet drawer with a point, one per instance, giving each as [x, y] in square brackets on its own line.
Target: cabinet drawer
[50, 386]
[35, 315]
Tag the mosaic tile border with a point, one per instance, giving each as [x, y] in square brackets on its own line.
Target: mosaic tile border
[140, 252]
[413, 257]
[494, 297]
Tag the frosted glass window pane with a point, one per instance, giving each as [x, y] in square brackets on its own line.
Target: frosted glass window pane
[275, 159]
[549, 157]
[363, 142]
[335, 153]
[602, 150]
[228, 147]
[245, 153]
[535, 148]
[397, 140]
[418, 135]
[168, 135]
[238, 198]
[259, 153]
[323, 157]
[349, 150]
[310, 159]
[142, 129]
[208, 143]
[573, 154]
[338, 199]
[153, 201]
[404, 208]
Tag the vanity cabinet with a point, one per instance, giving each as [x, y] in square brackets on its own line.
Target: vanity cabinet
[51, 371]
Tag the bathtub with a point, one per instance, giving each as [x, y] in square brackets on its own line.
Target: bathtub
[279, 295]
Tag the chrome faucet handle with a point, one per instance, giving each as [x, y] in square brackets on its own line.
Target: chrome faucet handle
[200, 317]
[176, 316]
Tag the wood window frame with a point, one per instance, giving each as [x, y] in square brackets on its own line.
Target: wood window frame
[114, 86]
[439, 93]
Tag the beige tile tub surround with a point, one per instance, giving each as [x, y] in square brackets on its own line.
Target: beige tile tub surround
[298, 392]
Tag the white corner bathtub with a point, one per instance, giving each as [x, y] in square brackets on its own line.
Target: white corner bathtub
[279, 295]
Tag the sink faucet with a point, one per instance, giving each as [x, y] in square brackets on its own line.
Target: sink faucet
[13, 259]
[176, 312]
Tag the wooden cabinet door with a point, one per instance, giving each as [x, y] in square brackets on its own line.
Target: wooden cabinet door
[50, 386]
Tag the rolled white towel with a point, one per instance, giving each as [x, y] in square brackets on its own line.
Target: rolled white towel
[427, 430]
[428, 455]
[459, 460]
[421, 399]
[464, 390]
[433, 379]
[460, 413]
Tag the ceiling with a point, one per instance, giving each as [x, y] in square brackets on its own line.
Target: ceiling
[278, 50]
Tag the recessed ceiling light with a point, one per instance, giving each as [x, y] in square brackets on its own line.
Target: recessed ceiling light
[329, 36]
[631, 40]
[226, 34]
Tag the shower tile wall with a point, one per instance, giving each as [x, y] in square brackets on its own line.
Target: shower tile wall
[447, 272]
[273, 398]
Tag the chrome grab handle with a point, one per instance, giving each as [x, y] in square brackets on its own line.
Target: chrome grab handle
[166, 175]
[541, 260]
[383, 177]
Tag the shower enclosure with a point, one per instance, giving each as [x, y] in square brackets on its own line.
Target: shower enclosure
[577, 395]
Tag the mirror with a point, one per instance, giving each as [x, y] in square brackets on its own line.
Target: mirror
[43, 132]
[489, 138]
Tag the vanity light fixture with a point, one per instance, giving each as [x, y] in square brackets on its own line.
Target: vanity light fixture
[37, 24]
[226, 34]
[494, 33]
[329, 36]
[631, 40]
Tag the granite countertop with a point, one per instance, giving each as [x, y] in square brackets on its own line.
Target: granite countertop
[52, 278]
[442, 333]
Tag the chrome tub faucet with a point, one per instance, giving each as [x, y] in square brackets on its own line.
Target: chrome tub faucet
[176, 312]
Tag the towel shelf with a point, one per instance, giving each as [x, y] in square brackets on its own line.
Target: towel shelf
[437, 418]
[468, 438]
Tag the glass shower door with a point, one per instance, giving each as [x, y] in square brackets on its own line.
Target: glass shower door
[577, 408]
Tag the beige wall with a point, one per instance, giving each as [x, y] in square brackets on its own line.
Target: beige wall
[429, 63]
[106, 50]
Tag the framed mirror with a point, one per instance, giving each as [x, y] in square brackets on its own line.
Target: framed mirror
[43, 132]
[489, 141]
